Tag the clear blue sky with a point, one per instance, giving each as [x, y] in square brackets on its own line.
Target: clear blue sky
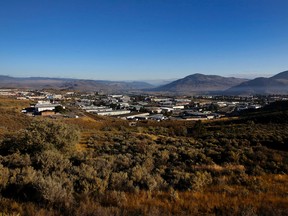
[143, 39]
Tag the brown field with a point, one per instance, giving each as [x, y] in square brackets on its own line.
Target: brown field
[249, 179]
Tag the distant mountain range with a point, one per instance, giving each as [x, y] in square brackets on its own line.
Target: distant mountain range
[200, 83]
[192, 84]
[72, 84]
[213, 84]
[277, 84]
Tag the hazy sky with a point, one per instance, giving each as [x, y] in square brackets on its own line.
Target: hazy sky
[143, 39]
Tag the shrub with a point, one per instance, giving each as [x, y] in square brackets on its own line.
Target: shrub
[200, 180]
[41, 136]
[51, 161]
[4, 176]
[54, 190]
[118, 181]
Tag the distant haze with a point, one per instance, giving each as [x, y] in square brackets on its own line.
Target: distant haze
[251, 75]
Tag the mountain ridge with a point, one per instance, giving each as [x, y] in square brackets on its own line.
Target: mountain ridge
[192, 84]
[277, 84]
[72, 84]
[200, 83]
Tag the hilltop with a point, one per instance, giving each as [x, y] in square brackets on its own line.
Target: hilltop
[201, 83]
[192, 84]
[277, 84]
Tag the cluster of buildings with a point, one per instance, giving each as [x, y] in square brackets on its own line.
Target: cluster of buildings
[136, 107]
[161, 108]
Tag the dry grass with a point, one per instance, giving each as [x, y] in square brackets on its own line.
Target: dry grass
[11, 119]
[82, 145]
[13, 104]
[273, 196]
[218, 168]
[260, 195]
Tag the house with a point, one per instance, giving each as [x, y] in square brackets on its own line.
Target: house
[45, 106]
[96, 109]
[41, 107]
[113, 112]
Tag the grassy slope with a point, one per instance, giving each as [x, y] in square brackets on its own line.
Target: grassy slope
[265, 194]
[11, 119]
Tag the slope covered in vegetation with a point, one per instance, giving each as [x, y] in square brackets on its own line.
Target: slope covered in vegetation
[155, 168]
